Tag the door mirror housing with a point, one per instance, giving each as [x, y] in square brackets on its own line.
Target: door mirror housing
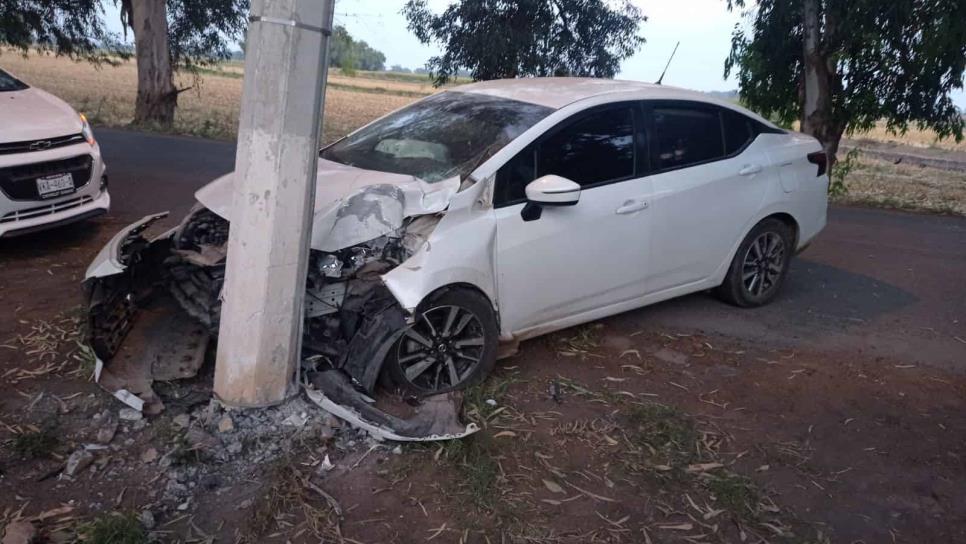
[553, 191]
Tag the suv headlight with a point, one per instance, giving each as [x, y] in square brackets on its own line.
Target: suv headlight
[86, 130]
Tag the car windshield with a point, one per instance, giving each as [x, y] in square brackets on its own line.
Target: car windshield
[10, 83]
[448, 134]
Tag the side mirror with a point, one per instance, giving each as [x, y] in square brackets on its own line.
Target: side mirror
[553, 191]
[549, 191]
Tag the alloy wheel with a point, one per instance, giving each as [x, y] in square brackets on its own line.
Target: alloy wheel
[442, 349]
[763, 264]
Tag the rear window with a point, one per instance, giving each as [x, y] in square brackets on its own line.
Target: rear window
[686, 136]
[737, 131]
[9, 83]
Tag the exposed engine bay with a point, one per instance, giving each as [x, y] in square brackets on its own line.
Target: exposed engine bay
[171, 287]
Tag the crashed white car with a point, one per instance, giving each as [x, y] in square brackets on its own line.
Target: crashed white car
[51, 172]
[491, 213]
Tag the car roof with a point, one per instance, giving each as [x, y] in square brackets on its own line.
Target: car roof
[557, 92]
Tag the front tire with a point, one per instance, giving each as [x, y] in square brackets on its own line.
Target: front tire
[452, 344]
[759, 266]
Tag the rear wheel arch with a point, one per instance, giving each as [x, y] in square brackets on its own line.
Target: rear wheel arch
[789, 221]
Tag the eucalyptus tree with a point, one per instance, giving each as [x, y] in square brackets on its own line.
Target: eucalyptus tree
[839, 66]
[495, 39]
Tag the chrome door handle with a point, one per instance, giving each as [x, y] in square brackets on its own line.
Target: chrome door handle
[749, 169]
[631, 206]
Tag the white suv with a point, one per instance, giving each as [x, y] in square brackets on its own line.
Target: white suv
[51, 172]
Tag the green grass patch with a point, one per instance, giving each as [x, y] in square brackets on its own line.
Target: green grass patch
[38, 444]
[736, 493]
[113, 528]
[663, 431]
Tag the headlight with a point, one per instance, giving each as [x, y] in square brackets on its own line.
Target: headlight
[86, 130]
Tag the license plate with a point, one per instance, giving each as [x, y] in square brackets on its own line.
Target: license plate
[56, 185]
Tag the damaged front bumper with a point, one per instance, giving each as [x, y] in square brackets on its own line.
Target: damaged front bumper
[169, 286]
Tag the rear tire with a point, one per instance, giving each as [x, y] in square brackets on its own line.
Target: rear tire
[451, 345]
[759, 266]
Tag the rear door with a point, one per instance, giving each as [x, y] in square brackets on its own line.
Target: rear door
[575, 258]
[708, 183]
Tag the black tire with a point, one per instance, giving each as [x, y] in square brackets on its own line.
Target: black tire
[759, 267]
[436, 355]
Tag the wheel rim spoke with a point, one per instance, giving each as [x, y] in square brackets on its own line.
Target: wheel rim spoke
[478, 341]
[463, 323]
[417, 369]
[413, 335]
[451, 368]
[415, 356]
[450, 319]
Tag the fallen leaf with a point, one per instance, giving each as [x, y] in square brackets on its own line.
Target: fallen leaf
[553, 486]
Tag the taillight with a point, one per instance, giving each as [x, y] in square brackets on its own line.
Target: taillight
[821, 159]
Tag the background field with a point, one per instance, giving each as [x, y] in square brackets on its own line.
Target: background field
[210, 106]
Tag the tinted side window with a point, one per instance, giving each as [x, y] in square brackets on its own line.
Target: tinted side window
[737, 131]
[596, 149]
[685, 136]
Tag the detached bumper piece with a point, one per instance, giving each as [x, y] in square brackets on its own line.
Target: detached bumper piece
[437, 418]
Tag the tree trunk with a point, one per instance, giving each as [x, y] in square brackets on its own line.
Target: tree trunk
[817, 118]
[157, 95]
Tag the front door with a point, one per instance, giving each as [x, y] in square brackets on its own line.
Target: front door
[574, 259]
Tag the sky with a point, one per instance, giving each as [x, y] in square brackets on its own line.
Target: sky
[702, 26]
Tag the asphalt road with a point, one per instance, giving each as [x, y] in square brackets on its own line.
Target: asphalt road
[875, 283]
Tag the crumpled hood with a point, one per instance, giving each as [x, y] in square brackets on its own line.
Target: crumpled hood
[32, 114]
[352, 205]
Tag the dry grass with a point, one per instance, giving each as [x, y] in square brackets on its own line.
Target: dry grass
[209, 109]
[913, 137]
[883, 184]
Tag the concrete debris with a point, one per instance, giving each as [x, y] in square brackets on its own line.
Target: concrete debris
[150, 455]
[226, 425]
[147, 520]
[182, 421]
[129, 414]
[198, 439]
[19, 532]
[296, 420]
[107, 427]
[77, 462]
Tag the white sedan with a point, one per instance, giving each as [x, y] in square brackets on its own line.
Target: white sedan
[51, 172]
[499, 211]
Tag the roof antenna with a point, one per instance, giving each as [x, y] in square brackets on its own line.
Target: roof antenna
[660, 79]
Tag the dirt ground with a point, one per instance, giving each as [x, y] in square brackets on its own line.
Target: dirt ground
[833, 415]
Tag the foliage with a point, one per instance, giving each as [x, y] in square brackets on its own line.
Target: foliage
[841, 171]
[506, 39]
[113, 528]
[344, 51]
[39, 444]
[199, 32]
[67, 27]
[896, 60]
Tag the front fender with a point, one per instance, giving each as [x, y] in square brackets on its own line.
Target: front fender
[459, 250]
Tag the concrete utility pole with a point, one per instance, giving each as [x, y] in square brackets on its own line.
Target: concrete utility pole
[274, 189]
